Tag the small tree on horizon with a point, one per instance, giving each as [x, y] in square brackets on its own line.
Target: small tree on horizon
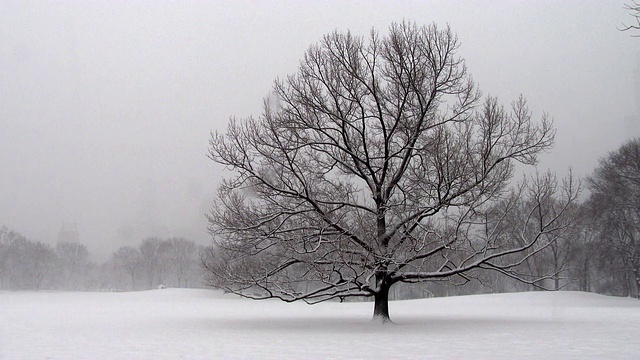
[377, 162]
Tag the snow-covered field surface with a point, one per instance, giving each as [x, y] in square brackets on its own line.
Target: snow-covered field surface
[203, 324]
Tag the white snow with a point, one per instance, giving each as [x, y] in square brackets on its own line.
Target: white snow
[203, 324]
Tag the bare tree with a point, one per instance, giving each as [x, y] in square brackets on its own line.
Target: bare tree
[26, 264]
[615, 205]
[74, 261]
[128, 260]
[29, 265]
[542, 200]
[152, 255]
[181, 256]
[43, 263]
[634, 11]
[370, 166]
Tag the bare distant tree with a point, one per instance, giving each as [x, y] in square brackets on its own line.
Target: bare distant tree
[585, 254]
[545, 201]
[26, 264]
[6, 237]
[152, 255]
[181, 256]
[634, 10]
[373, 165]
[615, 205]
[74, 261]
[43, 264]
[128, 260]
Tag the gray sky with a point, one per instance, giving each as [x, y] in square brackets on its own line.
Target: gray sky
[106, 107]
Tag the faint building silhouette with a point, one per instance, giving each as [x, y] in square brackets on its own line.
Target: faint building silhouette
[68, 233]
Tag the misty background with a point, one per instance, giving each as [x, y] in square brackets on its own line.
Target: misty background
[106, 108]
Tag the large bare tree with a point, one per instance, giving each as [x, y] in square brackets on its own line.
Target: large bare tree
[375, 163]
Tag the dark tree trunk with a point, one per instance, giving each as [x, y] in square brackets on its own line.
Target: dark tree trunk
[556, 265]
[636, 277]
[585, 281]
[381, 306]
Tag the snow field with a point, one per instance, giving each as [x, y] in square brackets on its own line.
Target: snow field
[204, 324]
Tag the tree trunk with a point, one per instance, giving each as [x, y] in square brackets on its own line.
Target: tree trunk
[133, 282]
[585, 281]
[381, 306]
[556, 265]
[636, 276]
[628, 284]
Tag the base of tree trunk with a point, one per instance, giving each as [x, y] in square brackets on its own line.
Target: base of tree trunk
[381, 304]
[381, 320]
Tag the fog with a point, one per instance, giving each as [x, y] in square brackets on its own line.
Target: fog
[106, 108]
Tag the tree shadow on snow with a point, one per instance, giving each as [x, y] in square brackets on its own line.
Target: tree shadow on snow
[401, 323]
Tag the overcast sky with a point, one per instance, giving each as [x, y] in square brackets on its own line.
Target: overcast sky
[106, 107]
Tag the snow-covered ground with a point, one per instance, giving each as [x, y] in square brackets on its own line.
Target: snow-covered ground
[202, 324]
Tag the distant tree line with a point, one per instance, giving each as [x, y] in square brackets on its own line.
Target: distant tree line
[172, 262]
[32, 265]
[597, 249]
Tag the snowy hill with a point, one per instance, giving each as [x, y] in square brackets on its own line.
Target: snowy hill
[202, 324]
